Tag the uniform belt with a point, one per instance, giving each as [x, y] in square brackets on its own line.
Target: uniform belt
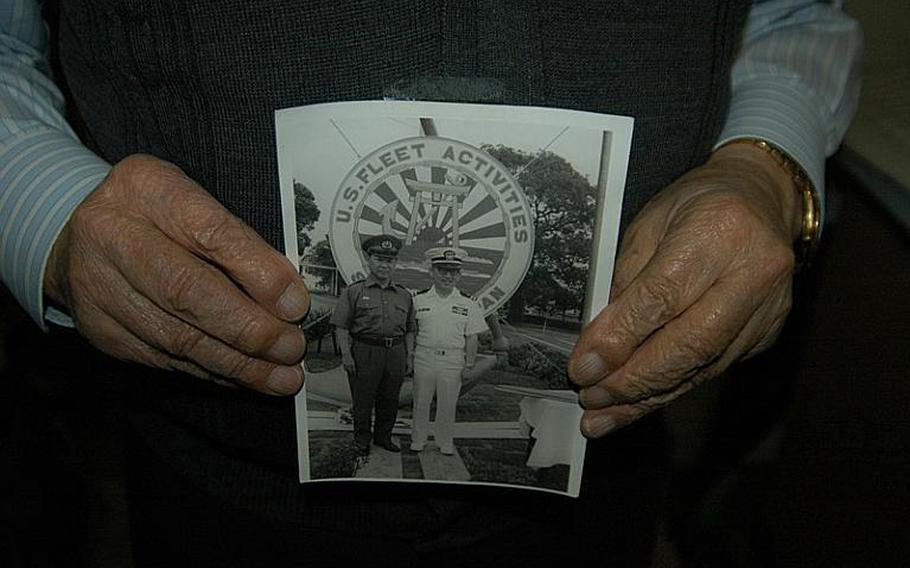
[378, 341]
[441, 352]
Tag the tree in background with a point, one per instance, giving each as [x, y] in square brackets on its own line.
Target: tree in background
[320, 262]
[562, 203]
[307, 214]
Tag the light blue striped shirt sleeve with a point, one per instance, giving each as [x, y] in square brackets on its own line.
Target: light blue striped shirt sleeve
[44, 171]
[795, 84]
[796, 80]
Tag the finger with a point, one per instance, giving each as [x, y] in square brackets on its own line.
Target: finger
[203, 297]
[108, 335]
[186, 213]
[256, 374]
[674, 278]
[682, 349]
[181, 342]
[115, 340]
[598, 421]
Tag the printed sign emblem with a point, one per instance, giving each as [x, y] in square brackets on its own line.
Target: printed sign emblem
[434, 192]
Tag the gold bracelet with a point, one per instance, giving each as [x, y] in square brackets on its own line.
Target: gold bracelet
[810, 227]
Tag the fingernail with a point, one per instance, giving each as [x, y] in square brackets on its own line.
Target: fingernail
[599, 425]
[288, 349]
[589, 368]
[595, 397]
[294, 302]
[284, 380]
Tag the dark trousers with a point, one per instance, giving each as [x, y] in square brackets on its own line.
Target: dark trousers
[376, 385]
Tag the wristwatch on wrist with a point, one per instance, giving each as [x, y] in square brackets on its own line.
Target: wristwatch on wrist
[810, 225]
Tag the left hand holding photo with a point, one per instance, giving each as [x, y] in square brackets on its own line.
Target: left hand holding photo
[703, 279]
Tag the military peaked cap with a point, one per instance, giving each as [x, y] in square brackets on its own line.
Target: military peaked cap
[446, 256]
[384, 245]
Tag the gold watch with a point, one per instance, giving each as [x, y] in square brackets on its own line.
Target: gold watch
[810, 228]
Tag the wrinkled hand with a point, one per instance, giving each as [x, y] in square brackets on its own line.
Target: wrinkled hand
[155, 271]
[703, 279]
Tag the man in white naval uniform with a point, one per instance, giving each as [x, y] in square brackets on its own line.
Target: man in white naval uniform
[448, 322]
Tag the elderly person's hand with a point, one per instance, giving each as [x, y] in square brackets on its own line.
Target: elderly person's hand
[703, 279]
[155, 271]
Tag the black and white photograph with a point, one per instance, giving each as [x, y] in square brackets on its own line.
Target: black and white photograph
[450, 251]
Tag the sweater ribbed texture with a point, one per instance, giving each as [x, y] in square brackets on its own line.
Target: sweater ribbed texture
[197, 81]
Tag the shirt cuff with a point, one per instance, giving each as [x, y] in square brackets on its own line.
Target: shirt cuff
[779, 111]
[44, 175]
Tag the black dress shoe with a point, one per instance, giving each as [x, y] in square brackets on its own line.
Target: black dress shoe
[388, 445]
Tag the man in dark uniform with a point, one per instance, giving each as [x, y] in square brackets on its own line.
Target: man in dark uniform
[375, 326]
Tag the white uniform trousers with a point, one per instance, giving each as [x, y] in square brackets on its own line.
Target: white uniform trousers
[436, 372]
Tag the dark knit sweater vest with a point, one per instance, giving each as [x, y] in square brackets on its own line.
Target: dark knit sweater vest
[196, 82]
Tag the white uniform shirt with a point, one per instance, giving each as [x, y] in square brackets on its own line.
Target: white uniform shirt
[443, 323]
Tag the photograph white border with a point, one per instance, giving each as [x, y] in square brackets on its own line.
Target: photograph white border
[614, 158]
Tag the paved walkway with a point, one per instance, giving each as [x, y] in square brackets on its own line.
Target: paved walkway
[383, 464]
